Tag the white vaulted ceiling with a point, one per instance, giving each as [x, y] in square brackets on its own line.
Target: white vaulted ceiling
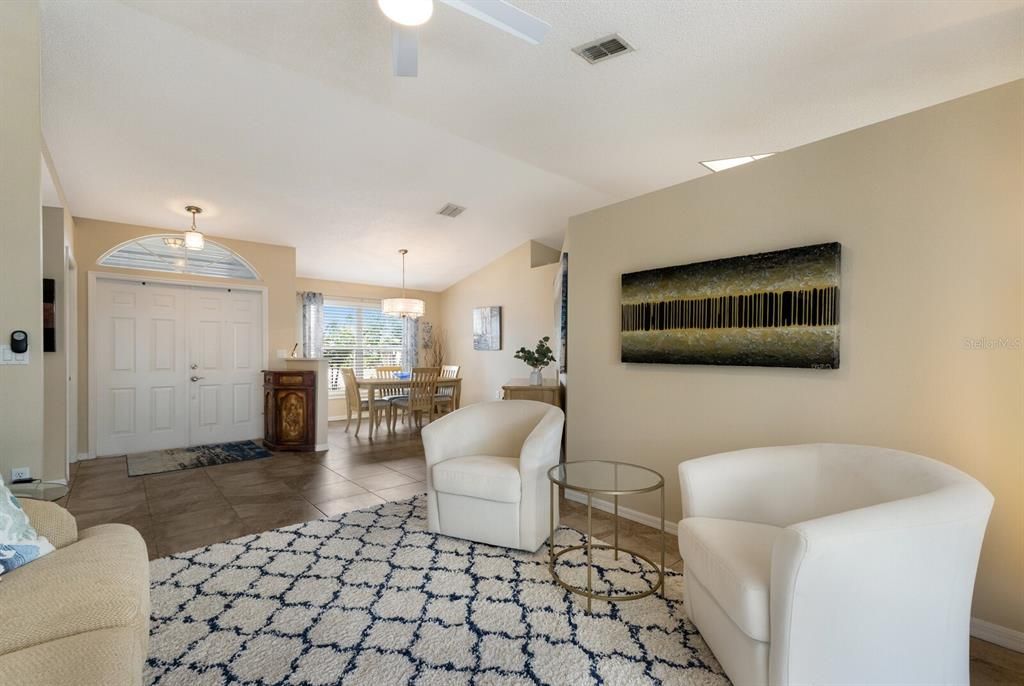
[283, 120]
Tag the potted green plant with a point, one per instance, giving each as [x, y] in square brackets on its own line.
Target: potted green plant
[537, 359]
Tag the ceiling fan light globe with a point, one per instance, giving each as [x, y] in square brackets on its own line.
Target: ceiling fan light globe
[407, 12]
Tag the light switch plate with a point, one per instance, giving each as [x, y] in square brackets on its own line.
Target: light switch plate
[9, 357]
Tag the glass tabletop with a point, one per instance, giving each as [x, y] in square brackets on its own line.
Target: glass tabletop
[39, 491]
[609, 478]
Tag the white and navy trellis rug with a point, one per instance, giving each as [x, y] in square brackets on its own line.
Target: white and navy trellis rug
[371, 598]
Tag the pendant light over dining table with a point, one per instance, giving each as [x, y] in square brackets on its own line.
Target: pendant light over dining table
[403, 307]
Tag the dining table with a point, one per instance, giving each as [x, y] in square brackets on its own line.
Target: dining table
[375, 385]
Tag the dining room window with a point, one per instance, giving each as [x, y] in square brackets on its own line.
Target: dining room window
[358, 335]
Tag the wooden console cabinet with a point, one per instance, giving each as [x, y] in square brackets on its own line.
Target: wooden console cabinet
[289, 411]
[549, 392]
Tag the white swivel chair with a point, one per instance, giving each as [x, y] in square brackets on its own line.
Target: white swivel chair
[832, 564]
[487, 470]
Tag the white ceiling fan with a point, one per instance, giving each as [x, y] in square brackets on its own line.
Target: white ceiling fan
[408, 14]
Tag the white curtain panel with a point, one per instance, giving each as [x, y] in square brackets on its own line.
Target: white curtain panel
[410, 344]
[312, 323]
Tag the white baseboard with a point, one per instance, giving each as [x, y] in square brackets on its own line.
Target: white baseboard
[321, 446]
[336, 419]
[83, 456]
[632, 515]
[1000, 635]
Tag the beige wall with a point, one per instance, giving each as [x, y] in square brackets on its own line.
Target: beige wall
[55, 368]
[526, 296]
[58, 366]
[274, 263]
[342, 289]
[928, 208]
[21, 272]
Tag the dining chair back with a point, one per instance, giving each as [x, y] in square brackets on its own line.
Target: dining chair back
[446, 393]
[420, 400]
[422, 387]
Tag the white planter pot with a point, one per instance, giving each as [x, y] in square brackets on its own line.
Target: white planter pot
[537, 377]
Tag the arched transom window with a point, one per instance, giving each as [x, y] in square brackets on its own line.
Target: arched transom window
[167, 253]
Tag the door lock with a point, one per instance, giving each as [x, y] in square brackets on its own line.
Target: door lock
[197, 378]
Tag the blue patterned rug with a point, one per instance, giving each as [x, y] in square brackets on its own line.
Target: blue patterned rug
[371, 598]
[158, 461]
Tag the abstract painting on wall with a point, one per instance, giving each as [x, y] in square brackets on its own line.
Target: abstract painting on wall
[487, 328]
[773, 309]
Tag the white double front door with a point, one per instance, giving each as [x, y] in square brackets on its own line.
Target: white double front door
[175, 366]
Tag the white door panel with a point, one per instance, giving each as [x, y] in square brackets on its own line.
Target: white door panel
[226, 345]
[140, 370]
[151, 340]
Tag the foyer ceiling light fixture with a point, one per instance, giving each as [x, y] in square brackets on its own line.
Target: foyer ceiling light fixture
[193, 238]
[403, 307]
[729, 163]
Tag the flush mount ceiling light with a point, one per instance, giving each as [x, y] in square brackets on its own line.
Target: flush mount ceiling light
[193, 238]
[407, 12]
[403, 307]
[722, 165]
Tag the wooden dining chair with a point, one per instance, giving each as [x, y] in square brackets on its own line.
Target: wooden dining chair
[420, 401]
[355, 404]
[444, 398]
[388, 394]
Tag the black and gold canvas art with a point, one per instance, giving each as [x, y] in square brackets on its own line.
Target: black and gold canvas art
[773, 309]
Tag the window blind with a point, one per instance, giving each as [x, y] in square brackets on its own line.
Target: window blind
[358, 335]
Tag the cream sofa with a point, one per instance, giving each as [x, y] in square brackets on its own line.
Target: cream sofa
[79, 615]
[487, 468]
[832, 564]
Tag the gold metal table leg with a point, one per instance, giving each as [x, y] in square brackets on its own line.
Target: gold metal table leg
[590, 543]
[551, 538]
[661, 532]
[616, 527]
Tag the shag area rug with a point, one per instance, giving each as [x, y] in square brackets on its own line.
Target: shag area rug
[158, 461]
[370, 598]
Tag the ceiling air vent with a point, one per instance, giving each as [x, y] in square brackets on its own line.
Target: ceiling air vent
[603, 48]
[450, 210]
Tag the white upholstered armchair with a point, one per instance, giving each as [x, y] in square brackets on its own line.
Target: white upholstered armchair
[487, 467]
[832, 564]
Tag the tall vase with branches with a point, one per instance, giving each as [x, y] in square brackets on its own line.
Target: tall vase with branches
[433, 344]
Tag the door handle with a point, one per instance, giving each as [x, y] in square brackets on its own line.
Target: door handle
[197, 378]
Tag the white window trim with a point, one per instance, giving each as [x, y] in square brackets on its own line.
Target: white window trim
[248, 265]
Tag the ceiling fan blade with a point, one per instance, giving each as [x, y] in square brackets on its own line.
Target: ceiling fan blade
[405, 43]
[504, 16]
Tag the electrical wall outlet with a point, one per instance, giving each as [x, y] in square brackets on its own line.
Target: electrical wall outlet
[20, 473]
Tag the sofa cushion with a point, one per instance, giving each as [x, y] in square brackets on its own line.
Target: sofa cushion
[733, 560]
[19, 542]
[479, 476]
[100, 582]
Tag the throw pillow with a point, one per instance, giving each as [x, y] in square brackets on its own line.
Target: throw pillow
[19, 542]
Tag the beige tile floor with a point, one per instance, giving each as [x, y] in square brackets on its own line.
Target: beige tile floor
[181, 510]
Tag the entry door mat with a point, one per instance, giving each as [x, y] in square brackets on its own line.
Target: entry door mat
[158, 461]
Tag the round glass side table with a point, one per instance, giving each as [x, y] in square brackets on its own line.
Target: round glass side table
[600, 477]
[39, 490]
